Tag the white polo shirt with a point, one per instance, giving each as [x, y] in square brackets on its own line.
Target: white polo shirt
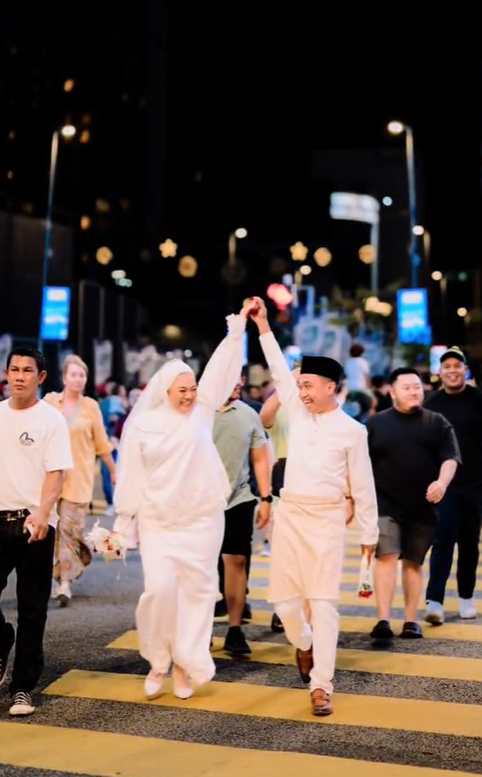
[32, 442]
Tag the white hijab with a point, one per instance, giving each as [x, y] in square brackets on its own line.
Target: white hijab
[155, 396]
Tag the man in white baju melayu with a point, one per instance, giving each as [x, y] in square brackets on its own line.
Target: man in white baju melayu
[172, 480]
[327, 461]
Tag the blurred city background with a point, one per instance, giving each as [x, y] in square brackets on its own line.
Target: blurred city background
[162, 162]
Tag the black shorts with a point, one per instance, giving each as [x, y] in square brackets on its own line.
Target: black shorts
[238, 529]
[278, 476]
[411, 541]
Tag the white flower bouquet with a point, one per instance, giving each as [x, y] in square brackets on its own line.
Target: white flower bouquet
[111, 545]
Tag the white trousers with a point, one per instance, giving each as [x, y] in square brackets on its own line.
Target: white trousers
[175, 613]
[322, 634]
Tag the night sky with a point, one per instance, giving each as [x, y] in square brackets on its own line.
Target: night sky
[251, 92]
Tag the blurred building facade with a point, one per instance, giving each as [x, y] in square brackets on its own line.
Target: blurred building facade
[111, 178]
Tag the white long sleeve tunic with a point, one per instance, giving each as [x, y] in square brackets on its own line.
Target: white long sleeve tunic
[328, 455]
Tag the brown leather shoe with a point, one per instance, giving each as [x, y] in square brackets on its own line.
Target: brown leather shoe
[304, 662]
[321, 702]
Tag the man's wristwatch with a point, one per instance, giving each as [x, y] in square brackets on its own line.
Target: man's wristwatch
[268, 499]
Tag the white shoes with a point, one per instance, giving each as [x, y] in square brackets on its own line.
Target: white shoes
[62, 593]
[468, 610]
[181, 684]
[435, 613]
[153, 685]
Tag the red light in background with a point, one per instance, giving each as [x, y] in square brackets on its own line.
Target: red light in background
[281, 296]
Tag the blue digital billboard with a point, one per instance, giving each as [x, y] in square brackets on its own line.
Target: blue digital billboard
[55, 313]
[412, 314]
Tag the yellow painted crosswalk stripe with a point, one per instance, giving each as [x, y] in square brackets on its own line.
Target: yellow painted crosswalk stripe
[375, 662]
[351, 599]
[463, 720]
[460, 632]
[100, 754]
[351, 578]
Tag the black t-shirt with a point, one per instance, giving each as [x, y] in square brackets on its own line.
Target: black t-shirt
[407, 451]
[384, 401]
[464, 412]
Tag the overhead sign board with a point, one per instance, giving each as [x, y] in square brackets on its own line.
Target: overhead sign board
[354, 207]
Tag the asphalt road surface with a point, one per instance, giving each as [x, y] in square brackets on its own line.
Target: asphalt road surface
[415, 710]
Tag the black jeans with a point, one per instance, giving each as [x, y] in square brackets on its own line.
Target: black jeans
[33, 563]
[459, 523]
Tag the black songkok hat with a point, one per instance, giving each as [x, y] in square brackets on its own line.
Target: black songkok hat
[322, 366]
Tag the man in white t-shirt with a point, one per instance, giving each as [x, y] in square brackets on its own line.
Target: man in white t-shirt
[34, 453]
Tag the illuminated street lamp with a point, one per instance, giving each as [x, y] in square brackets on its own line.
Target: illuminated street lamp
[240, 234]
[67, 132]
[397, 128]
[437, 275]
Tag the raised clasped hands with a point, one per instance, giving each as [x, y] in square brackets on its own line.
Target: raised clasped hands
[257, 310]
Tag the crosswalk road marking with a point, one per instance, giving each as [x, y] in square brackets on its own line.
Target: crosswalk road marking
[462, 720]
[351, 599]
[350, 624]
[350, 578]
[109, 755]
[367, 712]
[382, 662]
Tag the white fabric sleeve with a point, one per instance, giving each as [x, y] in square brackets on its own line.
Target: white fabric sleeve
[224, 368]
[57, 449]
[362, 488]
[280, 372]
[130, 477]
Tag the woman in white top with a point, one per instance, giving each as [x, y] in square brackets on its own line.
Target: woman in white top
[171, 479]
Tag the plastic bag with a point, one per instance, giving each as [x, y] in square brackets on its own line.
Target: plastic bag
[365, 584]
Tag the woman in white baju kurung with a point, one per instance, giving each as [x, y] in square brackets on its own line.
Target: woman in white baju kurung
[171, 480]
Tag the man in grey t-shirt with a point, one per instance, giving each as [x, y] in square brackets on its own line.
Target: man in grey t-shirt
[240, 439]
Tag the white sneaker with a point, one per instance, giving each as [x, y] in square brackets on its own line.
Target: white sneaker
[468, 610]
[63, 594]
[153, 685]
[434, 613]
[21, 704]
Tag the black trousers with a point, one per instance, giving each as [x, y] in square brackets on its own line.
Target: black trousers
[33, 563]
[459, 522]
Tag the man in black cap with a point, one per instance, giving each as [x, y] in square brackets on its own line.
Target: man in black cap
[327, 461]
[461, 509]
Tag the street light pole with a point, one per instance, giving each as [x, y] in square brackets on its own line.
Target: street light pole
[396, 128]
[48, 227]
[68, 131]
[412, 204]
